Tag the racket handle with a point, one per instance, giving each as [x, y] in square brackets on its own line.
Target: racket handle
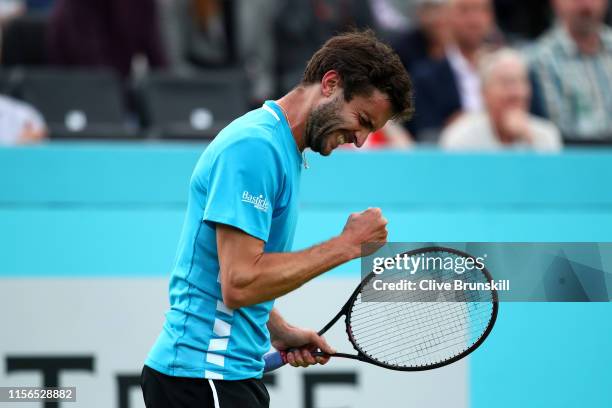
[274, 360]
[277, 359]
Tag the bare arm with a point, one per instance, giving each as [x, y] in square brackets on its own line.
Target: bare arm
[250, 276]
[300, 341]
[276, 324]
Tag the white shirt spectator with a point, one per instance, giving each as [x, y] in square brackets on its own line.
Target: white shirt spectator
[468, 80]
[18, 121]
[474, 131]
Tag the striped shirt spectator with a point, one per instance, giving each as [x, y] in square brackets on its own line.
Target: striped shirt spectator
[576, 87]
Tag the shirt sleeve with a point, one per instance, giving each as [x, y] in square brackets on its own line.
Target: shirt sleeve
[243, 184]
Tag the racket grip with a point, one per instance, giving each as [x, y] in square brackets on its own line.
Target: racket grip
[274, 360]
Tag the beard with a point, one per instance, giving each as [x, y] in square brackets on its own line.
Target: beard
[321, 124]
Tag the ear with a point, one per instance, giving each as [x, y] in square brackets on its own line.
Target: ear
[330, 83]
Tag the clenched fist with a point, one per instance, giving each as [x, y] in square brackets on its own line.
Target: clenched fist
[368, 226]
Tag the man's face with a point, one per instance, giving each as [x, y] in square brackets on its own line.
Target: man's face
[581, 15]
[335, 122]
[472, 21]
[507, 88]
[434, 19]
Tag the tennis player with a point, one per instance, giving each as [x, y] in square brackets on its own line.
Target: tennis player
[233, 257]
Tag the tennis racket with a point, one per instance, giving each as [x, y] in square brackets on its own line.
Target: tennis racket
[416, 330]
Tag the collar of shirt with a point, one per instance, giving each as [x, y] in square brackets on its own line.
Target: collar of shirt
[458, 62]
[467, 78]
[279, 114]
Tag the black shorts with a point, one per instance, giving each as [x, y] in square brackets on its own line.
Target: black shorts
[164, 391]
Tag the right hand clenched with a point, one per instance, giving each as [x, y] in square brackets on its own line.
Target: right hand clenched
[369, 227]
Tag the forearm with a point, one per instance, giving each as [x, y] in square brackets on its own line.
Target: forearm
[286, 337]
[277, 325]
[271, 275]
[249, 275]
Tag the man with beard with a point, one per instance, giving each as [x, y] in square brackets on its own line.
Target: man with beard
[573, 68]
[233, 258]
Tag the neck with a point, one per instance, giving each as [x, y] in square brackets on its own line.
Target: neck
[587, 41]
[297, 105]
[469, 53]
[436, 50]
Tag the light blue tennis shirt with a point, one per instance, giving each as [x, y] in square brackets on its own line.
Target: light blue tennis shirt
[248, 177]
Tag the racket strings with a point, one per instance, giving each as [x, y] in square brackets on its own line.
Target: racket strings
[428, 333]
[418, 355]
[432, 329]
[359, 316]
[432, 323]
[363, 328]
[431, 343]
[413, 328]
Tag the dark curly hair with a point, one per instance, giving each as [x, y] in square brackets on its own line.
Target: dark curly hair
[363, 63]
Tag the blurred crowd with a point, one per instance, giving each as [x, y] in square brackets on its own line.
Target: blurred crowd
[487, 74]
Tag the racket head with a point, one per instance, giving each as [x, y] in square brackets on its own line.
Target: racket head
[365, 352]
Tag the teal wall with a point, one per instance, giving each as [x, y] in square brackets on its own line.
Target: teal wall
[70, 209]
[117, 210]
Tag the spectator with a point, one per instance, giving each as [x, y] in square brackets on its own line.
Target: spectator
[105, 33]
[506, 122]
[256, 47]
[303, 26]
[294, 29]
[573, 66]
[450, 86]
[198, 33]
[20, 122]
[429, 38]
